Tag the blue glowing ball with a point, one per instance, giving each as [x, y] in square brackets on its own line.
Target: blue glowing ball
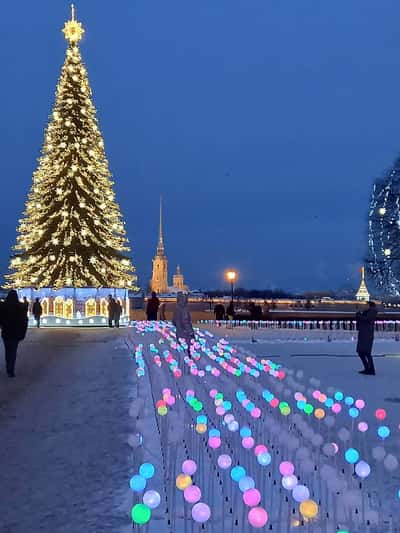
[147, 470]
[201, 419]
[352, 456]
[214, 433]
[383, 432]
[338, 396]
[137, 483]
[237, 473]
[349, 400]
[264, 459]
[245, 432]
[227, 405]
[250, 406]
[354, 412]
[246, 483]
[329, 402]
[301, 404]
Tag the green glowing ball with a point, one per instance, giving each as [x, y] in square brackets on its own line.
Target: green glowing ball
[141, 514]
[308, 409]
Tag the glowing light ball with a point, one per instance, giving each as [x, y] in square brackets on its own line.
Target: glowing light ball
[360, 404]
[140, 514]
[273, 403]
[257, 517]
[354, 412]
[286, 468]
[224, 461]
[183, 481]
[349, 400]
[248, 443]
[214, 442]
[383, 432]
[201, 428]
[289, 482]
[189, 467]
[147, 470]
[251, 497]
[160, 403]
[285, 411]
[170, 400]
[316, 394]
[260, 448]
[351, 455]
[308, 409]
[339, 396]
[152, 499]
[192, 494]
[162, 411]
[363, 469]
[264, 459]
[309, 508]
[233, 426]
[246, 483]
[201, 419]
[336, 408]
[319, 414]
[245, 432]
[213, 392]
[380, 414]
[237, 473]
[166, 392]
[201, 512]
[214, 433]
[255, 413]
[300, 493]
[229, 418]
[362, 426]
[137, 483]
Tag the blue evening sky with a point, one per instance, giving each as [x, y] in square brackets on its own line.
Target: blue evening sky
[262, 122]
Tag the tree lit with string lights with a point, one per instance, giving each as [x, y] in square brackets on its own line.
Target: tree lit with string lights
[72, 233]
[384, 232]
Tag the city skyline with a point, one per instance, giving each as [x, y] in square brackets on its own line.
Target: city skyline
[264, 152]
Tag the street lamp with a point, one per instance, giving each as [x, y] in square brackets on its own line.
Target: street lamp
[231, 276]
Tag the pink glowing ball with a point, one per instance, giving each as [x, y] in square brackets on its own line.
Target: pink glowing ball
[286, 468]
[215, 372]
[189, 467]
[213, 392]
[166, 392]
[257, 517]
[190, 392]
[336, 408]
[245, 402]
[281, 374]
[260, 448]
[224, 461]
[248, 443]
[256, 412]
[192, 494]
[201, 373]
[360, 404]
[178, 373]
[298, 396]
[194, 371]
[229, 418]
[170, 400]
[214, 442]
[274, 402]
[220, 410]
[363, 427]
[252, 497]
[316, 394]
[380, 414]
[201, 512]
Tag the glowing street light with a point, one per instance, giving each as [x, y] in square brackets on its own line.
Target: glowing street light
[231, 277]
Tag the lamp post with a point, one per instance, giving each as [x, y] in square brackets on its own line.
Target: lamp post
[231, 276]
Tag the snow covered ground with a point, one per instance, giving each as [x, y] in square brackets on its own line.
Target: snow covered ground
[81, 417]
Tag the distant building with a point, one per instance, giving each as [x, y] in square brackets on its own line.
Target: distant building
[159, 279]
[362, 294]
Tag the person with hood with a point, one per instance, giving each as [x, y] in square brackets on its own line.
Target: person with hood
[152, 307]
[117, 313]
[182, 320]
[366, 326]
[37, 311]
[14, 323]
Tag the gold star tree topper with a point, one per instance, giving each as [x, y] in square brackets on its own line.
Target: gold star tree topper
[73, 30]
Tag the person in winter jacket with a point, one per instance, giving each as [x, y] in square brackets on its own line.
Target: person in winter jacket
[366, 326]
[14, 323]
[37, 311]
[182, 320]
[152, 307]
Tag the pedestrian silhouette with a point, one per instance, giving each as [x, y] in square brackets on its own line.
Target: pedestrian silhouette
[219, 312]
[14, 323]
[111, 311]
[117, 313]
[162, 311]
[366, 326]
[37, 311]
[183, 321]
[152, 307]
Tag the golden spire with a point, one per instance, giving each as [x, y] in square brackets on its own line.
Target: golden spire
[73, 30]
[160, 247]
[362, 293]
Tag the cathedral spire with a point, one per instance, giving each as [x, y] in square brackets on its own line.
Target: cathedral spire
[362, 293]
[160, 246]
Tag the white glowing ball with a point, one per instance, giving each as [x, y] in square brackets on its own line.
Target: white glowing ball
[363, 469]
[289, 482]
[300, 493]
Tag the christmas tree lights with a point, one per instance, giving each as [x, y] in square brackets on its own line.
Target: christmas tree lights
[72, 233]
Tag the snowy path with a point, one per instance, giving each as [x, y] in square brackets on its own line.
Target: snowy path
[63, 434]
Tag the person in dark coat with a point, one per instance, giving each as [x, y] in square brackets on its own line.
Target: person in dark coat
[14, 323]
[182, 321]
[230, 311]
[111, 311]
[152, 307]
[162, 312]
[219, 312]
[366, 326]
[117, 313]
[26, 304]
[37, 311]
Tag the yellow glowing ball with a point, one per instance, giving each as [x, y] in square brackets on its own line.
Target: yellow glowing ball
[309, 509]
[201, 428]
[162, 411]
[183, 481]
[319, 413]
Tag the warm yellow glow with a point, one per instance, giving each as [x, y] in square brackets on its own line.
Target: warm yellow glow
[231, 275]
[73, 30]
[382, 211]
[387, 252]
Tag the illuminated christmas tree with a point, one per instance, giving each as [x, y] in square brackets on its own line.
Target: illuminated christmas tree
[72, 233]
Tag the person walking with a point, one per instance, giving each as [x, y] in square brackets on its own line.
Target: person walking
[230, 311]
[111, 311]
[182, 321]
[219, 312]
[117, 313]
[26, 304]
[366, 325]
[37, 311]
[162, 311]
[153, 304]
[14, 323]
